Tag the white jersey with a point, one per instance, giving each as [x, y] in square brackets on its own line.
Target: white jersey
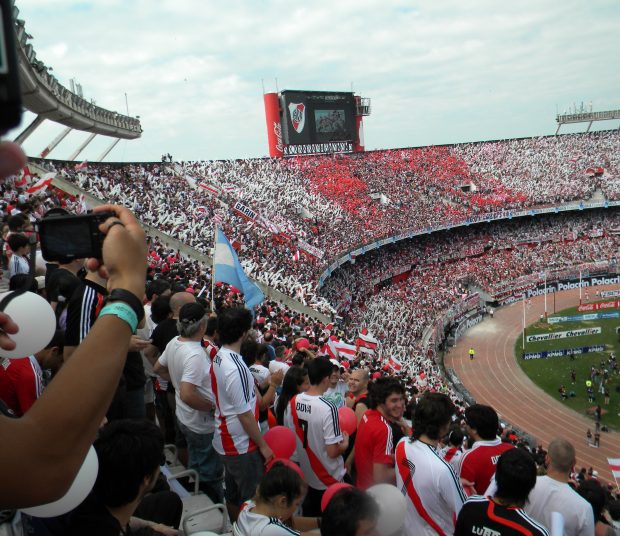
[250, 524]
[316, 424]
[186, 361]
[337, 394]
[261, 374]
[233, 386]
[435, 495]
[18, 265]
[275, 366]
[549, 496]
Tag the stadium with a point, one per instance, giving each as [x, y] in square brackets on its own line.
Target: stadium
[394, 263]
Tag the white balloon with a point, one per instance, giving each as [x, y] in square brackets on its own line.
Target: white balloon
[36, 321]
[83, 483]
[392, 507]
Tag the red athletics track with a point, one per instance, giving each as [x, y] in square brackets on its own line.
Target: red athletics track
[495, 378]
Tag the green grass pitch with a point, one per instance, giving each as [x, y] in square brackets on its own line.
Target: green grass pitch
[552, 372]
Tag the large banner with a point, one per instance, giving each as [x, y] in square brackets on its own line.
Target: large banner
[610, 293]
[614, 304]
[309, 248]
[581, 318]
[564, 352]
[246, 212]
[563, 334]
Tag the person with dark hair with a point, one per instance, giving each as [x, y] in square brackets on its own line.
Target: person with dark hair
[553, 493]
[211, 341]
[594, 493]
[277, 498]
[22, 380]
[20, 246]
[503, 513]
[237, 438]
[453, 451]
[295, 381]
[374, 452]
[62, 283]
[350, 512]
[19, 281]
[435, 495]
[320, 443]
[478, 464]
[337, 389]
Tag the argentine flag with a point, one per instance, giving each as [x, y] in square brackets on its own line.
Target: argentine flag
[228, 269]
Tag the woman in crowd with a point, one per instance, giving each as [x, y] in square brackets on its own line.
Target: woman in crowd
[295, 381]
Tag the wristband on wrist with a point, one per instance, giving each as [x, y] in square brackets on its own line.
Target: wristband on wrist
[122, 311]
[125, 296]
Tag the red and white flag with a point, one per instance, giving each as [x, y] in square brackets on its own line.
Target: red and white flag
[329, 347]
[81, 165]
[217, 218]
[200, 212]
[346, 350]
[296, 256]
[24, 178]
[394, 364]
[366, 342]
[614, 465]
[42, 183]
[209, 188]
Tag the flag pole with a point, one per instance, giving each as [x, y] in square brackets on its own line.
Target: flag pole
[523, 337]
[213, 268]
[545, 294]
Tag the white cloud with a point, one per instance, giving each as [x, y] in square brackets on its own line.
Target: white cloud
[436, 71]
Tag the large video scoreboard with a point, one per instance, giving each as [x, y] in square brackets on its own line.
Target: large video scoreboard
[314, 122]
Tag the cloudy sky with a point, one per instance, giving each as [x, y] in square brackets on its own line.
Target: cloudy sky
[438, 71]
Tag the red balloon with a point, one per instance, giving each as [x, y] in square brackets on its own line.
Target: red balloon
[292, 465]
[281, 441]
[348, 420]
[331, 491]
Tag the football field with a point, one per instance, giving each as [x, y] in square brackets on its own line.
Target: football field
[552, 370]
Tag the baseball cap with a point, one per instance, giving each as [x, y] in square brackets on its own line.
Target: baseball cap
[191, 312]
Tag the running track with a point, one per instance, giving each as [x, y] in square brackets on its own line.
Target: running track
[495, 378]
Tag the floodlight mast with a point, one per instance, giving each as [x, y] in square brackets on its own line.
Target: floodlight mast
[586, 117]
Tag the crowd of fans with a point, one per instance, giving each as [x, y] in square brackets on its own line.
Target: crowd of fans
[395, 295]
[325, 205]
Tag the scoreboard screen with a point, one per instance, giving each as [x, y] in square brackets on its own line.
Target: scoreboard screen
[310, 117]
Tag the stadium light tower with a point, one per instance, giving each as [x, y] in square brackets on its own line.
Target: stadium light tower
[582, 116]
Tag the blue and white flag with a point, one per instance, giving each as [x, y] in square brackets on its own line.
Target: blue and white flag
[228, 269]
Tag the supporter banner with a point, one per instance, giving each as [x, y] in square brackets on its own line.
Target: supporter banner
[610, 293]
[200, 211]
[581, 318]
[213, 190]
[563, 334]
[309, 248]
[564, 352]
[244, 211]
[614, 304]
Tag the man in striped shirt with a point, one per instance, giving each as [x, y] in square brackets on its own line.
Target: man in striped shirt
[435, 495]
[320, 443]
[237, 436]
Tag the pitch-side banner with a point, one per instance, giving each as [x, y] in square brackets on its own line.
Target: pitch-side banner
[614, 304]
[563, 334]
[581, 318]
[564, 352]
[610, 293]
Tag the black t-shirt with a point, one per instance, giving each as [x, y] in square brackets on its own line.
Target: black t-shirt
[480, 515]
[163, 333]
[83, 309]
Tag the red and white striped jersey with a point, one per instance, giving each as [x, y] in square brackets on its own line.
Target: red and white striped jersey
[315, 422]
[435, 495]
[233, 387]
